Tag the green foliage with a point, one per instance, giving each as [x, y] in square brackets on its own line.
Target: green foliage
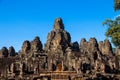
[113, 31]
[116, 5]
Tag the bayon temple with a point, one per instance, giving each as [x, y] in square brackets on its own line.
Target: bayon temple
[60, 59]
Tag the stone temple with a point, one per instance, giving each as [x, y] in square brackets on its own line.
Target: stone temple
[60, 59]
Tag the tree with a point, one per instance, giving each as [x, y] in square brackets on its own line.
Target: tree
[116, 5]
[113, 30]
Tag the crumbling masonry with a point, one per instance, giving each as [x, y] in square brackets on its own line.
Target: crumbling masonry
[60, 59]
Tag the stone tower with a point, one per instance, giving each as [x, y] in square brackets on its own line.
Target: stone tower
[58, 40]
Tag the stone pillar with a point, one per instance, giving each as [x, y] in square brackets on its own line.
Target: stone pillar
[21, 72]
[118, 58]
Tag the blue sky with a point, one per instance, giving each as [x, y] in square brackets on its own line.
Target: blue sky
[24, 19]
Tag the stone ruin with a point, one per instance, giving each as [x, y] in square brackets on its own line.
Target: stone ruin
[60, 58]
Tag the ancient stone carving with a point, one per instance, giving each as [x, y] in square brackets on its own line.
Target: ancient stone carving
[36, 45]
[4, 52]
[26, 47]
[58, 24]
[11, 51]
[105, 47]
[59, 57]
[58, 38]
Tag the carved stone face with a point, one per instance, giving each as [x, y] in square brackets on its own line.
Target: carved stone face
[58, 20]
[26, 47]
[58, 24]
